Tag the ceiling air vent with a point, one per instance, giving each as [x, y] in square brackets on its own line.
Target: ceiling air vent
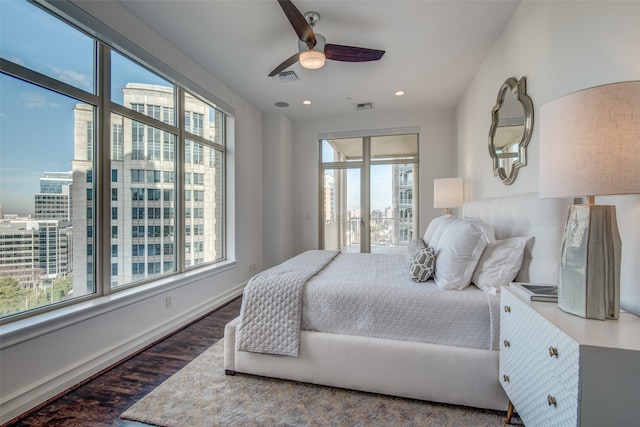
[288, 76]
[363, 106]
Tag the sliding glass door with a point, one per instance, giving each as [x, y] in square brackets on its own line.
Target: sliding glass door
[367, 192]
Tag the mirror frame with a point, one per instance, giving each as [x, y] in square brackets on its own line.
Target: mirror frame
[519, 89]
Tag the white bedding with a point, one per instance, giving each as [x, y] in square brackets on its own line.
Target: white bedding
[272, 305]
[441, 373]
[372, 295]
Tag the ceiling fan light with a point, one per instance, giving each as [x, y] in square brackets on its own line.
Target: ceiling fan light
[312, 59]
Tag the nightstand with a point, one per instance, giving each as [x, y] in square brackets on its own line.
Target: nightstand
[563, 370]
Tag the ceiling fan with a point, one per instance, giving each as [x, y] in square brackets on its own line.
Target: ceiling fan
[313, 49]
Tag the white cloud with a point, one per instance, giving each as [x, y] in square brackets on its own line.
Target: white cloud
[72, 77]
[33, 100]
[17, 60]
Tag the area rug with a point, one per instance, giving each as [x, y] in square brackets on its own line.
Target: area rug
[201, 395]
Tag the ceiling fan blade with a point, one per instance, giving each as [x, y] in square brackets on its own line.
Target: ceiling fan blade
[286, 64]
[298, 22]
[339, 52]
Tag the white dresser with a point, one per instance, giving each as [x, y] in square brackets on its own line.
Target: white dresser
[563, 370]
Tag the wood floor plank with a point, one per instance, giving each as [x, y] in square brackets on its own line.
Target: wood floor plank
[99, 402]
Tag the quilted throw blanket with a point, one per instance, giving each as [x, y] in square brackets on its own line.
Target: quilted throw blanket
[272, 305]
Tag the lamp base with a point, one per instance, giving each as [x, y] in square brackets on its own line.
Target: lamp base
[589, 283]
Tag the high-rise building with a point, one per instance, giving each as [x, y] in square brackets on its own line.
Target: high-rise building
[402, 204]
[143, 189]
[19, 252]
[328, 193]
[54, 182]
[54, 199]
[36, 252]
[54, 246]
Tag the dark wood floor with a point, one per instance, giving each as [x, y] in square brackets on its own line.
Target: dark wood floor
[100, 401]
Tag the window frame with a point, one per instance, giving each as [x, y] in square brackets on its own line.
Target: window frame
[101, 134]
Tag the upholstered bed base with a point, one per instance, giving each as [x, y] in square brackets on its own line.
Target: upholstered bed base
[398, 368]
[415, 370]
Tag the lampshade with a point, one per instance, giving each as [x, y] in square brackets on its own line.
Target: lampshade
[590, 145]
[312, 59]
[590, 142]
[447, 193]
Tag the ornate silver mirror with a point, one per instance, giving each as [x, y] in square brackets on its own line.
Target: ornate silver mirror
[511, 127]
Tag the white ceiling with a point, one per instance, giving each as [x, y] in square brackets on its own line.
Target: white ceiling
[433, 49]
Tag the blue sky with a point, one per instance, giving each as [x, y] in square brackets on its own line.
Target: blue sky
[36, 125]
[32, 123]
[380, 184]
[33, 120]
[380, 188]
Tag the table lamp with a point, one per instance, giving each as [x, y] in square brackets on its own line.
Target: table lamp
[447, 194]
[590, 146]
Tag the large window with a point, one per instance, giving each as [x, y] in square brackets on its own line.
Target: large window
[73, 226]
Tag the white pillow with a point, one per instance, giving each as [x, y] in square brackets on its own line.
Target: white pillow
[487, 230]
[457, 253]
[436, 228]
[499, 264]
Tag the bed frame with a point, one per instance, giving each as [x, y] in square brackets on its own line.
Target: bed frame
[432, 372]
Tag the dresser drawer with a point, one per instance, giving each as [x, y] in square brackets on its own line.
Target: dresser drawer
[539, 365]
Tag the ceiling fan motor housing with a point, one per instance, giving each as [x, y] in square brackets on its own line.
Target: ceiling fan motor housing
[321, 41]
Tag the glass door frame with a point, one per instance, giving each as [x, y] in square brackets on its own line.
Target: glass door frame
[364, 165]
[340, 220]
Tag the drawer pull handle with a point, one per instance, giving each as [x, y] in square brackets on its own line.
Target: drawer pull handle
[552, 400]
[507, 343]
[553, 352]
[505, 378]
[507, 309]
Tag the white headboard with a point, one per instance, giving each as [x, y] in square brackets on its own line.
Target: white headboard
[527, 215]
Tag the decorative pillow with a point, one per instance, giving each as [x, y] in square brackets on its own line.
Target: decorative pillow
[457, 253]
[421, 260]
[499, 264]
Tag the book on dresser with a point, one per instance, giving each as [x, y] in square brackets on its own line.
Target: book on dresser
[536, 292]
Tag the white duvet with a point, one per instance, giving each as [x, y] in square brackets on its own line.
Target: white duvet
[372, 295]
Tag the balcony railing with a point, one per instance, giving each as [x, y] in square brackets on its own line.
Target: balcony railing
[386, 233]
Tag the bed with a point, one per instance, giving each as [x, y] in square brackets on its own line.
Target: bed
[460, 363]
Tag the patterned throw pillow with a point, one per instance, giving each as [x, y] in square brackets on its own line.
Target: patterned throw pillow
[421, 260]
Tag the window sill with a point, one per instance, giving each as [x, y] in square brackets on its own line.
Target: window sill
[26, 329]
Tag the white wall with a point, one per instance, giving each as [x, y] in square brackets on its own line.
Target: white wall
[561, 47]
[277, 189]
[437, 160]
[57, 355]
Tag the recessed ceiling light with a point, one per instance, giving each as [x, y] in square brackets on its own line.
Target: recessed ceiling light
[281, 104]
[400, 93]
[306, 102]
